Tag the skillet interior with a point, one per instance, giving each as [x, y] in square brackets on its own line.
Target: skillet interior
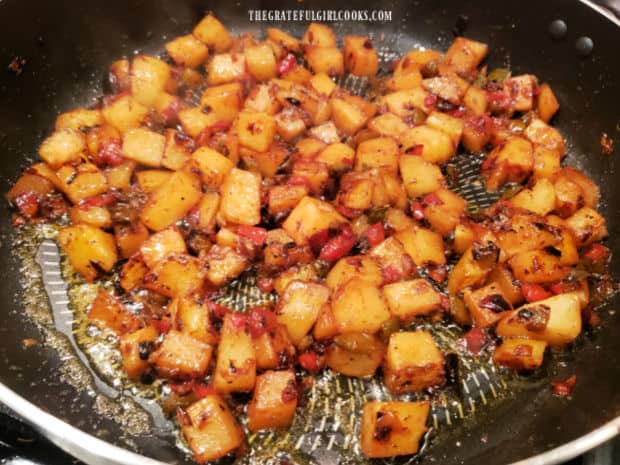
[68, 50]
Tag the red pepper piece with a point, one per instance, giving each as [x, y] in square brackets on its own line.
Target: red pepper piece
[318, 240]
[374, 234]
[201, 391]
[431, 200]
[260, 321]
[417, 211]
[564, 388]
[474, 340]
[339, 246]
[27, 203]
[110, 154]
[534, 292]
[163, 326]
[391, 274]
[239, 320]
[286, 64]
[430, 101]
[437, 273]
[255, 234]
[309, 361]
[219, 311]
[265, 284]
[299, 181]
[417, 149]
[596, 253]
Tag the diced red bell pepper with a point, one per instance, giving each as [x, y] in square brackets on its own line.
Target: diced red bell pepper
[163, 326]
[265, 284]
[309, 361]
[218, 311]
[391, 274]
[431, 199]
[488, 163]
[417, 149]
[182, 388]
[437, 273]
[417, 211]
[170, 114]
[27, 203]
[347, 211]
[499, 98]
[564, 388]
[254, 233]
[101, 200]
[474, 340]
[596, 253]
[430, 101]
[374, 234]
[239, 320]
[318, 240]
[202, 390]
[534, 292]
[286, 64]
[299, 181]
[337, 247]
[110, 154]
[556, 288]
[260, 321]
[457, 112]
[445, 302]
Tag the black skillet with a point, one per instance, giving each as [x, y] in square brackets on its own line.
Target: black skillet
[67, 46]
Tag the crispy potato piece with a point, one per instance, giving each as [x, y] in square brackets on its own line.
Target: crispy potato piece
[90, 250]
[274, 401]
[106, 311]
[235, 370]
[409, 299]
[213, 33]
[299, 306]
[180, 356]
[422, 245]
[133, 346]
[224, 264]
[319, 35]
[362, 267]
[547, 104]
[241, 201]
[63, 146]
[464, 55]
[187, 51]
[176, 275]
[79, 119]
[487, 304]
[353, 295]
[520, 354]
[436, 146]
[328, 60]
[149, 77]
[355, 354]
[309, 217]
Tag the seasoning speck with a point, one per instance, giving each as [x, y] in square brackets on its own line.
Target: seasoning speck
[29, 342]
[16, 66]
[607, 144]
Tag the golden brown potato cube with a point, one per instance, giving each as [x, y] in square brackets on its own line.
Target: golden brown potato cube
[356, 190]
[539, 199]
[477, 133]
[512, 162]
[210, 429]
[133, 346]
[422, 245]
[547, 104]
[540, 133]
[404, 103]
[473, 267]
[241, 197]
[162, 244]
[213, 166]
[299, 307]
[224, 100]
[171, 201]
[78, 119]
[502, 277]
[590, 191]
[262, 99]
[451, 87]
[125, 113]
[328, 60]
[405, 78]
[191, 317]
[360, 266]
[272, 348]
[443, 210]
[387, 124]
[464, 55]
[187, 51]
[381, 152]
[81, 181]
[213, 33]
[196, 119]
[450, 125]
[261, 61]
[337, 157]
[537, 266]
[322, 84]
[349, 115]
[520, 90]
[360, 56]
[225, 67]
[486, 305]
[98, 217]
[284, 198]
[568, 196]
[475, 100]
[309, 217]
[119, 177]
[420, 176]
[290, 123]
[393, 428]
[309, 147]
[358, 294]
[149, 180]
[180, 356]
[298, 75]
[520, 354]
[106, 311]
[355, 354]
[256, 130]
[315, 173]
[89, 249]
[176, 275]
[305, 273]
[326, 326]
[587, 226]
[556, 320]
[463, 238]
[283, 39]
[120, 75]
[224, 264]
[130, 237]
[132, 273]
[274, 402]
[413, 362]
[391, 256]
[62, 147]
[435, 146]
[149, 77]
[409, 299]
[319, 35]
[235, 369]
[144, 146]
[207, 210]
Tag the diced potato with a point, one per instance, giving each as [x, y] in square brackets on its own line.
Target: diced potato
[180, 356]
[261, 61]
[404, 79]
[261, 99]
[125, 113]
[546, 162]
[413, 362]
[360, 267]
[355, 354]
[196, 119]
[436, 146]
[520, 354]
[404, 103]
[213, 33]
[450, 87]
[391, 257]
[450, 125]
[537, 266]
[213, 166]
[63, 146]
[338, 157]
[590, 190]
[225, 67]
[381, 152]
[299, 307]
[256, 130]
[556, 320]
[224, 264]
[475, 100]
[587, 225]
[323, 84]
[187, 51]
[512, 162]
[89, 249]
[33, 183]
[274, 401]
[78, 119]
[420, 176]
[464, 55]
[283, 39]
[130, 238]
[284, 198]
[150, 180]
[241, 197]
[107, 312]
[520, 90]
[350, 298]
[315, 173]
[393, 428]
[171, 201]
[81, 181]
[190, 315]
[356, 190]
[149, 77]
[486, 305]
[98, 217]
[509, 286]
[388, 124]
[463, 238]
[132, 347]
[423, 246]
[224, 100]
[444, 210]
[473, 267]
[360, 56]
[235, 369]
[132, 273]
[328, 60]
[272, 348]
[176, 275]
[539, 199]
[207, 210]
[548, 104]
[119, 176]
[210, 429]
[319, 35]
[409, 299]
[309, 217]
[350, 113]
[162, 244]
[540, 133]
